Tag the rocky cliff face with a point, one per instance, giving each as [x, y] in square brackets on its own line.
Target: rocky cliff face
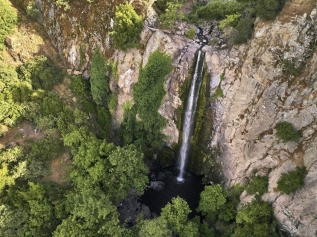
[258, 92]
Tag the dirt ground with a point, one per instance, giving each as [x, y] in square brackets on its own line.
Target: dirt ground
[58, 169]
[293, 8]
[20, 135]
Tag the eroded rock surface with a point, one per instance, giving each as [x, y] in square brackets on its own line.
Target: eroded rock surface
[258, 93]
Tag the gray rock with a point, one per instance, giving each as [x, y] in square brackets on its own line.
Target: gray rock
[157, 185]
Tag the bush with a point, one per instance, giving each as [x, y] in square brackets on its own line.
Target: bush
[259, 184]
[41, 73]
[244, 30]
[190, 33]
[8, 19]
[172, 14]
[290, 68]
[218, 9]
[127, 28]
[79, 87]
[291, 181]
[268, 9]
[231, 20]
[286, 132]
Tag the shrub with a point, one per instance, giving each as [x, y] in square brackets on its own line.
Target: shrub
[244, 30]
[218, 93]
[41, 73]
[268, 9]
[218, 9]
[231, 20]
[8, 19]
[286, 132]
[291, 181]
[259, 184]
[51, 105]
[79, 87]
[290, 68]
[172, 14]
[190, 33]
[127, 28]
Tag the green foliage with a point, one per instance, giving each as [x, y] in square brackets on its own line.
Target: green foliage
[148, 94]
[8, 20]
[41, 73]
[291, 181]
[175, 213]
[99, 81]
[244, 30]
[126, 170]
[218, 93]
[211, 200]
[32, 10]
[231, 20]
[12, 166]
[268, 9]
[255, 219]
[92, 214]
[127, 28]
[79, 87]
[51, 105]
[286, 132]
[290, 68]
[154, 228]
[218, 9]
[258, 184]
[39, 154]
[172, 14]
[190, 33]
[13, 222]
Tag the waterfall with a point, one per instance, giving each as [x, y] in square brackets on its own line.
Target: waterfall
[189, 116]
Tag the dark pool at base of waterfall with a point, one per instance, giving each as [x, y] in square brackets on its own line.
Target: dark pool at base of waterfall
[189, 190]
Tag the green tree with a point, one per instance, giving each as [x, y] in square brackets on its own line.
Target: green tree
[211, 200]
[154, 228]
[127, 28]
[258, 184]
[176, 213]
[13, 222]
[8, 20]
[148, 94]
[92, 214]
[291, 181]
[99, 81]
[172, 14]
[255, 219]
[126, 170]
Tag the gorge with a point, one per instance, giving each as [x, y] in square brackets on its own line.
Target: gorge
[252, 87]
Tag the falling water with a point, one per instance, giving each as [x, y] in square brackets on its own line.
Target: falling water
[189, 117]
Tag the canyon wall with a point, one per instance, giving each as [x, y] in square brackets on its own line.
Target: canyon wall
[258, 94]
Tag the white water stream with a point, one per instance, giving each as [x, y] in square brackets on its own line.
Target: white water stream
[189, 117]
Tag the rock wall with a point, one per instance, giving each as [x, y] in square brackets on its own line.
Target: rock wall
[259, 93]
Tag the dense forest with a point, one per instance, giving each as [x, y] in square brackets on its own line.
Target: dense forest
[101, 166]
